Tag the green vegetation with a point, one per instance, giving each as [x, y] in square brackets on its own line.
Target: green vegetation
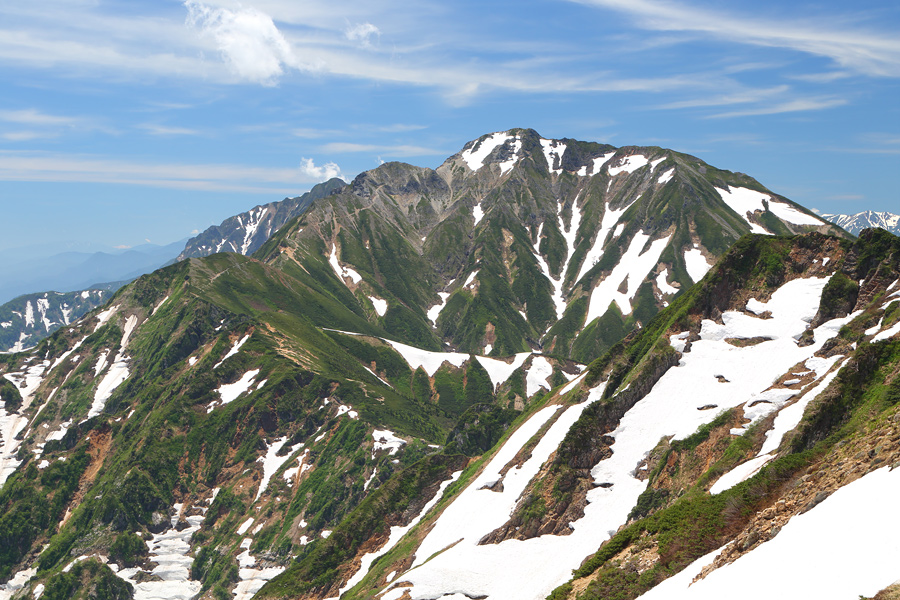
[87, 580]
[318, 567]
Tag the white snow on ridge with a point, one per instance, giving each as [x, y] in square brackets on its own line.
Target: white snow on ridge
[250, 228]
[743, 201]
[695, 263]
[666, 177]
[105, 315]
[251, 580]
[610, 219]
[156, 308]
[640, 258]
[887, 333]
[498, 370]
[569, 235]
[430, 361]
[11, 424]
[553, 151]
[117, 373]
[507, 165]
[234, 350]
[475, 156]
[809, 557]
[628, 164]
[600, 161]
[29, 314]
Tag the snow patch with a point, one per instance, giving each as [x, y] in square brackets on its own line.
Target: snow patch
[695, 264]
[435, 311]
[229, 392]
[170, 550]
[663, 284]
[477, 213]
[386, 440]
[234, 350]
[342, 272]
[379, 304]
[537, 375]
[430, 361]
[666, 177]
[610, 219]
[475, 156]
[640, 258]
[553, 151]
[104, 316]
[628, 164]
[498, 370]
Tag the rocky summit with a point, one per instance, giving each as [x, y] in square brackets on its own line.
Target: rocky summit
[545, 369]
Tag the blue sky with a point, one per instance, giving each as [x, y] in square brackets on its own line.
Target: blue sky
[125, 121]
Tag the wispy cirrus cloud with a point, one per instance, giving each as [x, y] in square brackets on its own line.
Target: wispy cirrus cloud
[871, 52]
[362, 34]
[790, 106]
[43, 166]
[30, 116]
[163, 130]
[387, 150]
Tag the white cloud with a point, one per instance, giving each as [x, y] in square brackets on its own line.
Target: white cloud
[323, 173]
[248, 40]
[362, 34]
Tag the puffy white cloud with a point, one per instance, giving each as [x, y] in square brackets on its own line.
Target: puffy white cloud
[362, 33]
[323, 173]
[247, 38]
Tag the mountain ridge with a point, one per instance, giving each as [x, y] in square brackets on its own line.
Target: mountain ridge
[855, 223]
[323, 417]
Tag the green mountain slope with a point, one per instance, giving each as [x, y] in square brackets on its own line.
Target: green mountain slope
[276, 418]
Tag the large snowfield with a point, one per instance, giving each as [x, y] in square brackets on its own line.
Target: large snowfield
[450, 561]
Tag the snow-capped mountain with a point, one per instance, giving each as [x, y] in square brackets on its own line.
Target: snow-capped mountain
[545, 369]
[26, 320]
[246, 232]
[866, 219]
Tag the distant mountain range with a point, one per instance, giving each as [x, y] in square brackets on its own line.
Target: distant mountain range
[865, 220]
[28, 271]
